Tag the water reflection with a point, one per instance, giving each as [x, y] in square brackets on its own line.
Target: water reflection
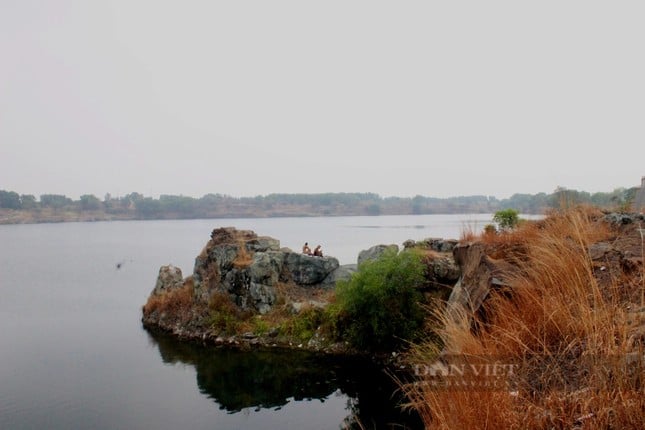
[242, 381]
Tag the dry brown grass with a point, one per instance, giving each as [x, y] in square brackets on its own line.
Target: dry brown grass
[469, 233]
[243, 258]
[566, 337]
[641, 231]
[170, 302]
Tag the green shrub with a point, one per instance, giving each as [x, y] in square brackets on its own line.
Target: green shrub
[223, 314]
[507, 219]
[303, 325]
[380, 306]
[223, 321]
[260, 327]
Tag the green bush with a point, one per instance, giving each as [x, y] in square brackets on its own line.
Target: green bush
[223, 314]
[507, 219]
[380, 306]
[303, 325]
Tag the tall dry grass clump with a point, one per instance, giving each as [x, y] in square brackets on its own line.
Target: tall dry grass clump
[569, 360]
[171, 302]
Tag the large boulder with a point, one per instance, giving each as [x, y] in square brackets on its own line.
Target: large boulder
[169, 278]
[442, 271]
[375, 252]
[306, 269]
[266, 267]
[342, 273]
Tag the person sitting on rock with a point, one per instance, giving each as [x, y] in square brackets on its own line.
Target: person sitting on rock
[318, 251]
[306, 249]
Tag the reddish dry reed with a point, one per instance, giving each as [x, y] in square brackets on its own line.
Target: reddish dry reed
[170, 302]
[575, 365]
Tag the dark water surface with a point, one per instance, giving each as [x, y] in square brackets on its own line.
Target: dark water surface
[73, 353]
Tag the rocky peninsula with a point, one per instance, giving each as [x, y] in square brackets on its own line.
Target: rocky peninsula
[246, 291]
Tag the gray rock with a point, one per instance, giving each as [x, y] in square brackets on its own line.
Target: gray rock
[224, 255]
[266, 267]
[409, 244]
[433, 243]
[169, 278]
[375, 252]
[342, 273]
[447, 245]
[262, 297]
[308, 270]
[248, 268]
[624, 218]
[444, 270]
[263, 244]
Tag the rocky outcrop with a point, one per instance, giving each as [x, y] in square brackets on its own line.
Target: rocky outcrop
[442, 271]
[624, 218]
[248, 268]
[432, 243]
[242, 276]
[169, 278]
[343, 273]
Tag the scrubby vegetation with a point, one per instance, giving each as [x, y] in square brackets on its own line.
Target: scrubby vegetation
[176, 302]
[302, 326]
[566, 324]
[507, 219]
[380, 307]
[223, 315]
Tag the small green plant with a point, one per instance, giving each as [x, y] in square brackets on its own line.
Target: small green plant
[507, 219]
[380, 306]
[304, 325]
[223, 314]
[224, 322]
[260, 326]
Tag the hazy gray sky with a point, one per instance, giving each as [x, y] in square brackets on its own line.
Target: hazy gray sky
[255, 97]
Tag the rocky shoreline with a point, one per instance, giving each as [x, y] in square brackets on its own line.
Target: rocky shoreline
[256, 279]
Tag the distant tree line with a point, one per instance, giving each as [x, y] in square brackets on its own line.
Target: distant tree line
[137, 206]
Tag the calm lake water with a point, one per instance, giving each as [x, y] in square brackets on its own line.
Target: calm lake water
[74, 355]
